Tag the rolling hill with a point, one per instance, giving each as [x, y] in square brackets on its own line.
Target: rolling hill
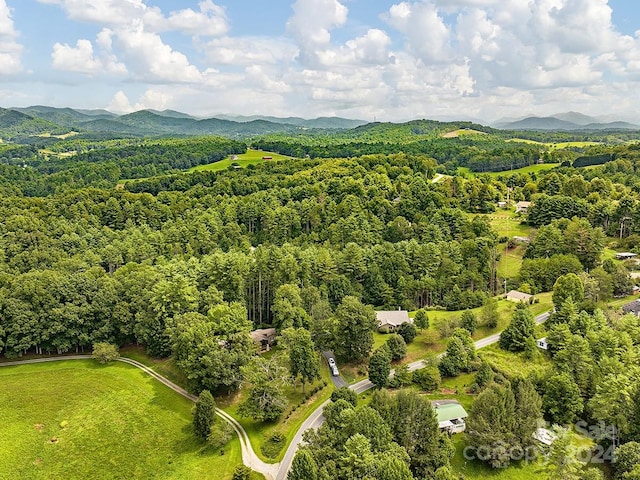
[40, 119]
[570, 121]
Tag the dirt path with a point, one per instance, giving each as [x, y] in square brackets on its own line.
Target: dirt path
[249, 457]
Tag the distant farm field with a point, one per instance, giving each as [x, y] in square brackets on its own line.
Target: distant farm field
[556, 145]
[252, 157]
[78, 420]
[540, 167]
[462, 132]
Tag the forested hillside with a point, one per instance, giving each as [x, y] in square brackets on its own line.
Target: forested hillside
[74, 249]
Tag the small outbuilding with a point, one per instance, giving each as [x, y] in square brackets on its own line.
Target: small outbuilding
[264, 338]
[522, 207]
[450, 415]
[516, 296]
[542, 343]
[390, 320]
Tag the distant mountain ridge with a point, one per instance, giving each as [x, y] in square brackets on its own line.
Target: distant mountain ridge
[41, 119]
[568, 121]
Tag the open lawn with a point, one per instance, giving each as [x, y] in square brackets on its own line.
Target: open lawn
[523, 470]
[506, 224]
[77, 419]
[252, 157]
[510, 262]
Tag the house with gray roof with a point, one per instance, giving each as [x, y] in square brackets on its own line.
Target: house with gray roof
[632, 307]
[516, 296]
[390, 320]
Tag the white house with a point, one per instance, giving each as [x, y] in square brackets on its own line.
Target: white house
[390, 320]
[542, 343]
[516, 296]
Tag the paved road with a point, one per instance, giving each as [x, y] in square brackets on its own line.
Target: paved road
[249, 457]
[337, 381]
[272, 471]
[316, 418]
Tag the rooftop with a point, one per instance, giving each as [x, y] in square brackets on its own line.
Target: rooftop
[448, 410]
[263, 334]
[523, 297]
[393, 317]
[631, 307]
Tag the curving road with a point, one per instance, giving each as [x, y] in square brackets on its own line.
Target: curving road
[249, 457]
[272, 471]
[316, 419]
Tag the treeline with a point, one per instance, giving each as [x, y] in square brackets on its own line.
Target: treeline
[479, 155]
[40, 176]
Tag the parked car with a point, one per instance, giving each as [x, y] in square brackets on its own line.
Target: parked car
[333, 367]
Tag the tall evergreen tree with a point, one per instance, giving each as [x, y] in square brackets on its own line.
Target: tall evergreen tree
[203, 415]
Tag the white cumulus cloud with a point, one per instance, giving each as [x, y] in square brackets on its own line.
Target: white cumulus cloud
[82, 58]
[311, 25]
[10, 49]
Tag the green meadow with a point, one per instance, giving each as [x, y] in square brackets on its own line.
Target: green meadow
[76, 420]
[252, 157]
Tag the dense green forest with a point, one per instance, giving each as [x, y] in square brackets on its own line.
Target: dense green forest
[113, 240]
[373, 226]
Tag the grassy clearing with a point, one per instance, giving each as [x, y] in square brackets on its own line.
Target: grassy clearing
[77, 419]
[510, 262]
[462, 132]
[252, 157]
[508, 225]
[523, 470]
[456, 388]
[540, 167]
[556, 145]
[514, 364]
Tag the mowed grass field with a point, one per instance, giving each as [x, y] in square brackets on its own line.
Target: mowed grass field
[252, 157]
[556, 145]
[77, 420]
[462, 132]
[537, 168]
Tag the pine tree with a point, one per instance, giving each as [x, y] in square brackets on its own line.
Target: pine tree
[380, 367]
[421, 320]
[203, 417]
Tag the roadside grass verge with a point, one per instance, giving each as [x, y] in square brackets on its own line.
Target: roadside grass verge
[296, 413]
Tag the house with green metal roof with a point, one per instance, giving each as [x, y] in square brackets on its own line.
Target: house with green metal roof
[450, 415]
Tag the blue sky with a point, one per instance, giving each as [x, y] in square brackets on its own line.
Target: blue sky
[389, 60]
